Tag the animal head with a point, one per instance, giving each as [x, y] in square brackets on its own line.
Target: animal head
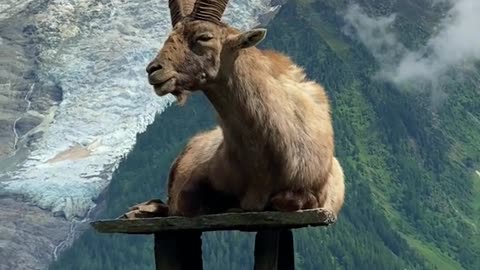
[198, 48]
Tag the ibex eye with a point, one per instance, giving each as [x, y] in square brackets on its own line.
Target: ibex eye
[204, 37]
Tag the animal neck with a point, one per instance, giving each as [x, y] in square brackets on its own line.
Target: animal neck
[247, 100]
[272, 118]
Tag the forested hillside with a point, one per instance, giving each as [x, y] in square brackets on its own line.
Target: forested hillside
[413, 197]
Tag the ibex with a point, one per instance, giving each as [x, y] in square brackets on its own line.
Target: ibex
[274, 147]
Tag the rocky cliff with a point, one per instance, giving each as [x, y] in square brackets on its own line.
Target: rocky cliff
[73, 96]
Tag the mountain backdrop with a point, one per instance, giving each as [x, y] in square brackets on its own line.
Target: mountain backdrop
[73, 97]
[403, 77]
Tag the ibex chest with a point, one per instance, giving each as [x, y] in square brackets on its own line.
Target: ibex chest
[261, 156]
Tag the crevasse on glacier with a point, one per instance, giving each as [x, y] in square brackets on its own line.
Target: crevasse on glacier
[97, 52]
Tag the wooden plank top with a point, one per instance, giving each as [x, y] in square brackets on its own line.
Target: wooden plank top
[243, 221]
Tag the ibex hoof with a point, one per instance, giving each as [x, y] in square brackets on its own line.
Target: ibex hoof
[148, 209]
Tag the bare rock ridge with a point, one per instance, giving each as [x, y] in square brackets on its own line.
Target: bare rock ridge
[24, 99]
[265, 18]
[28, 234]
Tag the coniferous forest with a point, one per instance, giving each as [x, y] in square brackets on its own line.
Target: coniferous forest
[413, 197]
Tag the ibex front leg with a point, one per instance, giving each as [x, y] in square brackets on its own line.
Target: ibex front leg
[255, 199]
[148, 209]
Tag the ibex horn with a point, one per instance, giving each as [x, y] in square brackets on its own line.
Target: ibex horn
[180, 9]
[209, 10]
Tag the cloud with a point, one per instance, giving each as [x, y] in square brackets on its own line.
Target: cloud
[456, 43]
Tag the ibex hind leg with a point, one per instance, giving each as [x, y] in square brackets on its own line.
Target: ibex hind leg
[332, 195]
[199, 198]
[254, 200]
[293, 200]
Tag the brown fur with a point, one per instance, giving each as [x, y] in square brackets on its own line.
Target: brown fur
[274, 146]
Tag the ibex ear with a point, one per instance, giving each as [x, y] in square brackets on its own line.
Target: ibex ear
[248, 39]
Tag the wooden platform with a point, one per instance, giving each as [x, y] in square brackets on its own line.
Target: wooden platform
[248, 221]
[178, 243]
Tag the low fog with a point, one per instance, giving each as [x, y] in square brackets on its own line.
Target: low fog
[455, 44]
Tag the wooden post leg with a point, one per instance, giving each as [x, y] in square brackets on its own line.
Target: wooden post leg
[274, 250]
[178, 251]
[286, 252]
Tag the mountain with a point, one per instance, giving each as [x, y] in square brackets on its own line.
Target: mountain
[404, 102]
[73, 96]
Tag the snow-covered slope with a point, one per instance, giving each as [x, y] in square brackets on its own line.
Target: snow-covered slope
[96, 51]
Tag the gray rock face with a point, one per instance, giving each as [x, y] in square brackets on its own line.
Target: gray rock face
[73, 96]
[28, 235]
[24, 99]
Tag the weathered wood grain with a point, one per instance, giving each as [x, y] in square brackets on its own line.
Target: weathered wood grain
[246, 221]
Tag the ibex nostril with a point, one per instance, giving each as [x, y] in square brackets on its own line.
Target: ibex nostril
[153, 66]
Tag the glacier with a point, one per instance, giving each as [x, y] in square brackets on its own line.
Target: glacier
[96, 51]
